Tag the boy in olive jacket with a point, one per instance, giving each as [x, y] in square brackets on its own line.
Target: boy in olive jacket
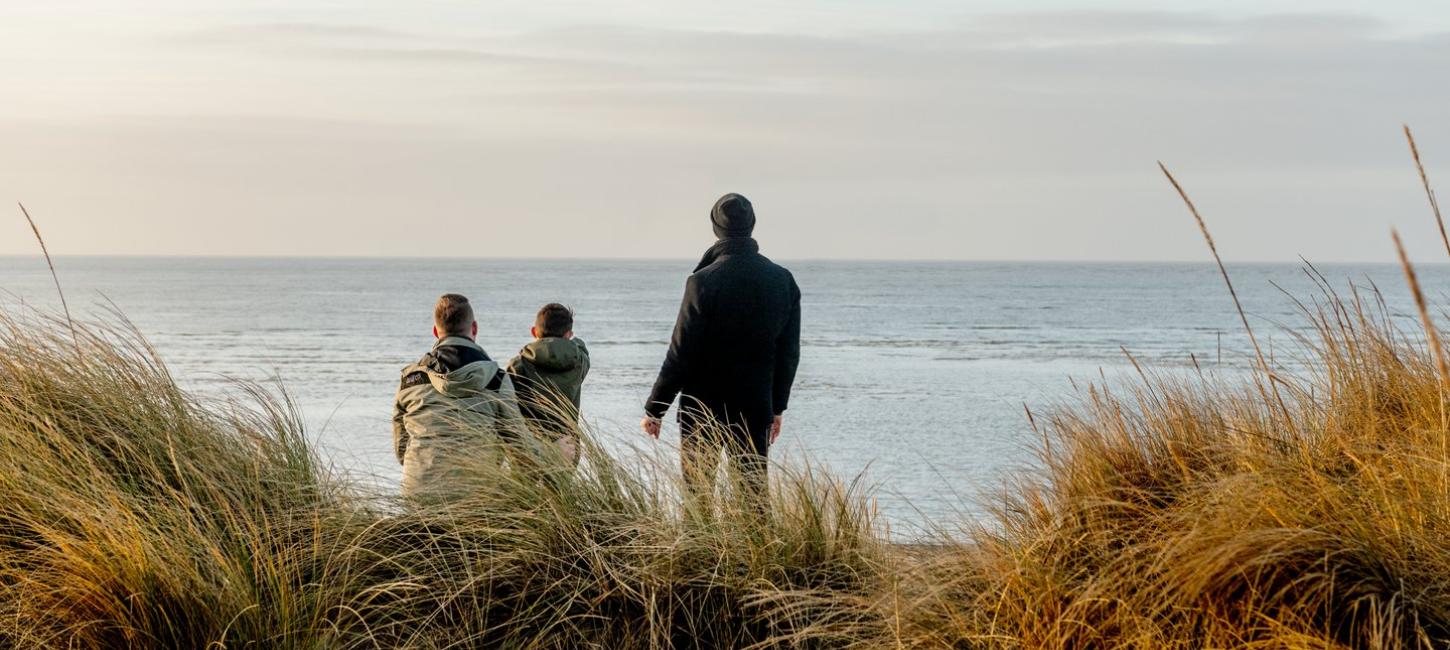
[548, 375]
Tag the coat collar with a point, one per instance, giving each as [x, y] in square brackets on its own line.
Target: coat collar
[462, 341]
[727, 247]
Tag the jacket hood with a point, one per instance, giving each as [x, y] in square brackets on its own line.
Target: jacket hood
[457, 367]
[471, 380]
[553, 354]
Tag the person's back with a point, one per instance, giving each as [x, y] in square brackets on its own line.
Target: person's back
[549, 375]
[733, 355]
[746, 304]
[454, 410]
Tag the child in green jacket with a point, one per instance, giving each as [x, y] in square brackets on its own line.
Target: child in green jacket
[548, 375]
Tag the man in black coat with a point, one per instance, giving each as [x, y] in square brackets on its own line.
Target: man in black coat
[733, 355]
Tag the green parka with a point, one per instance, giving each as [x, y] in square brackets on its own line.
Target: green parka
[549, 376]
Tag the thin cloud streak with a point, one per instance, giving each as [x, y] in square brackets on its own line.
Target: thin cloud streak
[1028, 136]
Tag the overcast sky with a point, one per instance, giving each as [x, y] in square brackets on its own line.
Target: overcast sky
[913, 129]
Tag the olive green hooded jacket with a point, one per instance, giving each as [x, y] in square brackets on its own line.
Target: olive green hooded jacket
[454, 412]
[549, 376]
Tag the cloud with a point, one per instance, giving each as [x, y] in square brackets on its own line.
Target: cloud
[1112, 101]
[1017, 136]
[274, 31]
[1099, 28]
[360, 44]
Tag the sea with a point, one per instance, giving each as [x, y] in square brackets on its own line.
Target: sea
[915, 377]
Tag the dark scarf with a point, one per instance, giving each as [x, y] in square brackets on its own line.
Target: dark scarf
[728, 246]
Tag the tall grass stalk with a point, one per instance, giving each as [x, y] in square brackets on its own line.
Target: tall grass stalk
[1268, 372]
[53, 275]
[1429, 191]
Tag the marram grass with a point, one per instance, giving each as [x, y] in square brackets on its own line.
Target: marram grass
[1194, 513]
[1172, 512]
[135, 515]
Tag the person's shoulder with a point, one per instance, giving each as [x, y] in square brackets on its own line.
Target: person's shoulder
[703, 272]
[778, 269]
[517, 365]
[701, 278]
[413, 375]
[782, 278]
[420, 365]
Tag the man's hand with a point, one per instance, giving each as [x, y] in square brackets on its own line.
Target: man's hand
[774, 429]
[651, 426]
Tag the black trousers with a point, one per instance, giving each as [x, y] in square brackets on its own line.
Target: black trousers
[706, 432]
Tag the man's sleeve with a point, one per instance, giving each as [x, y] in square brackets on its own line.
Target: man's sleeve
[522, 391]
[788, 352]
[511, 425]
[400, 432]
[684, 347]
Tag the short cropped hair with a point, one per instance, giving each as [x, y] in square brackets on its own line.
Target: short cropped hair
[453, 314]
[554, 319]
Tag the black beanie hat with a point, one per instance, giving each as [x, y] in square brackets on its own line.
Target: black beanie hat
[732, 216]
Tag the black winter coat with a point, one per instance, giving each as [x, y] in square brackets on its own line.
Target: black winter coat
[736, 343]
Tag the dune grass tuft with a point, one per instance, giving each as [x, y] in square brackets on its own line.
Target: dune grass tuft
[1191, 511]
[136, 515]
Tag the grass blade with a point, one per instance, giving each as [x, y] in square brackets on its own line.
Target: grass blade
[1258, 352]
[1429, 192]
[53, 276]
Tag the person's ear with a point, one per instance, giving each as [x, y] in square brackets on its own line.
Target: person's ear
[569, 334]
[534, 332]
[435, 331]
[474, 330]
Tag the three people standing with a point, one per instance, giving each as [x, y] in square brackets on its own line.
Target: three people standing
[731, 362]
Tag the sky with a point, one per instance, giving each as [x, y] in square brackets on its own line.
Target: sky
[914, 129]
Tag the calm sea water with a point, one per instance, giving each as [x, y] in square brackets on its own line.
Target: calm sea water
[914, 373]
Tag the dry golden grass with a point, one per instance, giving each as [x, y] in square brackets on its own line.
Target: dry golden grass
[1191, 512]
[137, 516]
[1181, 513]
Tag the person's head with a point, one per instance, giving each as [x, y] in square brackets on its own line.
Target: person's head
[554, 319]
[732, 217]
[453, 316]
